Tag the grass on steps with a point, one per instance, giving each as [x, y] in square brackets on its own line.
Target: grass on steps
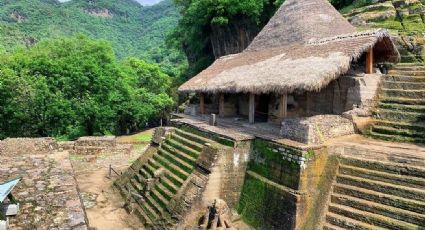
[398, 132]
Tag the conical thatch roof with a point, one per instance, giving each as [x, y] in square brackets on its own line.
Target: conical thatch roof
[298, 21]
[305, 46]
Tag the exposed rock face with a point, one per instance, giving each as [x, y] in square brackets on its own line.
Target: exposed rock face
[103, 13]
[233, 38]
[404, 17]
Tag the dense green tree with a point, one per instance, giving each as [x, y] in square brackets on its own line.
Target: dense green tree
[69, 87]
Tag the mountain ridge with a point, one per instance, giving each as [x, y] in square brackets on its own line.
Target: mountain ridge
[132, 29]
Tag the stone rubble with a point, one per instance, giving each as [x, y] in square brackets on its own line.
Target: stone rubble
[48, 193]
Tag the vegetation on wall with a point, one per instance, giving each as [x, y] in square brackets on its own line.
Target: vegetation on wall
[70, 87]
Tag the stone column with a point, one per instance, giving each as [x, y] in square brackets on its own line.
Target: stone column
[369, 61]
[221, 105]
[251, 108]
[283, 106]
[202, 103]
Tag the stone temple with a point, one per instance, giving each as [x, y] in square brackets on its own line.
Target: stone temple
[269, 138]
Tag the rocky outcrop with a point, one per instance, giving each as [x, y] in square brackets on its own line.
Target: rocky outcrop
[232, 38]
[405, 18]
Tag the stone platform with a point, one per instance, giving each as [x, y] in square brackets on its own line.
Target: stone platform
[241, 131]
[48, 192]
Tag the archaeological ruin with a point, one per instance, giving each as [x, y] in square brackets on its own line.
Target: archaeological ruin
[271, 135]
[315, 125]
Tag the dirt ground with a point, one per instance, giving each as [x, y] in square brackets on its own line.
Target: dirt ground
[104, 205]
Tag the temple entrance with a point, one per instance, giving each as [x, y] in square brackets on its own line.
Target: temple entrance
[262, 107]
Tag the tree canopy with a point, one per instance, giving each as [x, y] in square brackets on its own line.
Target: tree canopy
[70, 87]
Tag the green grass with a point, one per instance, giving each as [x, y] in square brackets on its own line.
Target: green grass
[142, 137]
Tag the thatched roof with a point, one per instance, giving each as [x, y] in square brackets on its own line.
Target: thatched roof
[305, 46]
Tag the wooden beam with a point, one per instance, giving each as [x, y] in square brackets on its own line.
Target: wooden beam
[283, 107]
[202, 103]
[369, 61]
[221, 106]
[251, 108]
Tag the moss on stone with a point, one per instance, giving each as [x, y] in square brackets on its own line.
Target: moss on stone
[214, 137]
[264, 206]
[273, 166]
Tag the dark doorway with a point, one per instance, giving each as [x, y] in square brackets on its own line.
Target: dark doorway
[262, 107]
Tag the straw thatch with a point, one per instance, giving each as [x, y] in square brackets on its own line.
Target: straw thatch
[294, 52]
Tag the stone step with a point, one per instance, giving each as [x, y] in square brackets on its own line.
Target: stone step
[175, 159]
[417, 126]
[153, 204]
[398, 132]
[159, 198]
[170, 174]
[172, 167]
[170, 182]
[329, 226]
[383, 176]
[151, 213]
[348, 223]
[395, 138]
[144, 218]
[370, 218]
[193, 137]
[150, 167]
[401, 107]
[165, 192]
[136, 185]
[379, 209]
[404, 78]
[404, 85]
[409, 67]
[383, 187]
[395, 115]
[408, 72]
[191, 144]
[403, 100]
[395, 168]
[420, 94]
[187, 150]
[378, 197]
[144, 173]
[190, 160]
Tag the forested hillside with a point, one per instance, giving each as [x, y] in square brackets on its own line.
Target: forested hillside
[132, 29]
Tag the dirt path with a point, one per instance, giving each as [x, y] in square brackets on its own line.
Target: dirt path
[104, 205]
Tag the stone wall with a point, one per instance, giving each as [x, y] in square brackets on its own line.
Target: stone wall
[19, 146]
[316, 129]
[98, 145]
[284, 186]
[354, 90]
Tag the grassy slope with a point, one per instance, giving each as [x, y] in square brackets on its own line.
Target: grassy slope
[132, 29]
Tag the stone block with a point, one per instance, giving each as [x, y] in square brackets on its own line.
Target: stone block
[4, 224]
[316, 129]
[9, 209]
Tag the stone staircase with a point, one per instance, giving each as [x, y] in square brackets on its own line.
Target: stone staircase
[369, 194]
[400, 115]
[176, 157]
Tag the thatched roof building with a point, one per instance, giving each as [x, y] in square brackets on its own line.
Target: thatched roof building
[305, 46]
